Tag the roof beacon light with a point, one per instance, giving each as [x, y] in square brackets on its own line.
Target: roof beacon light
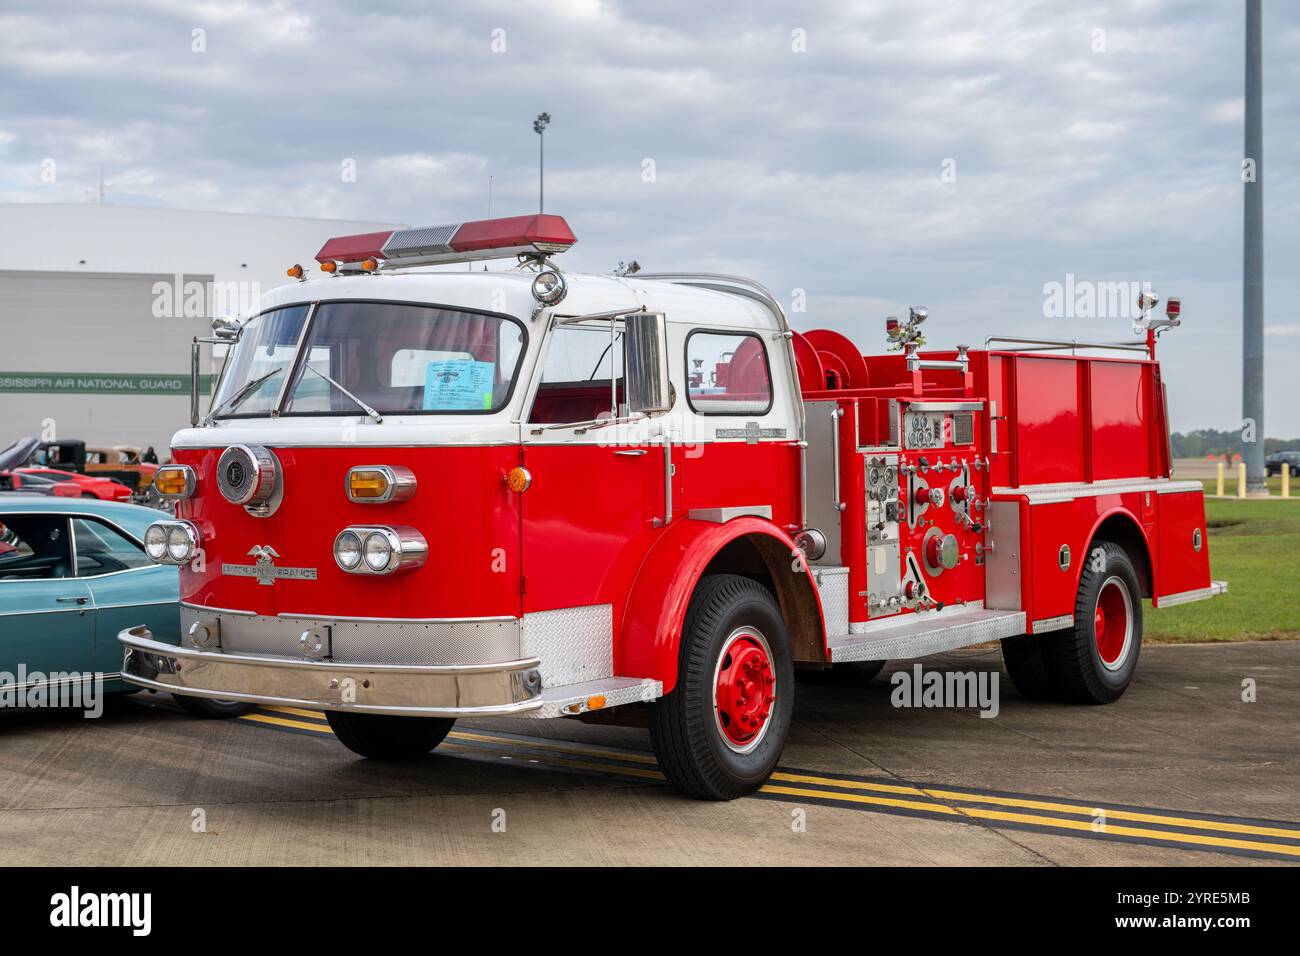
[1173, 309]
[537, 236]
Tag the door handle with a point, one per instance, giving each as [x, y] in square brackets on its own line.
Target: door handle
[632, 452]
[73, 600]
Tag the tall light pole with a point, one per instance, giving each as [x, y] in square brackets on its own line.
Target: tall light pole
[539, 127]
[1252, 273]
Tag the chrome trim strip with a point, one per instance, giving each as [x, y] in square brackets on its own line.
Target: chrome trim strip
[500, 619]
[1187, 597]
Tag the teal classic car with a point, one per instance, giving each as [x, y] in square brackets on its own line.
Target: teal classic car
[73, 573]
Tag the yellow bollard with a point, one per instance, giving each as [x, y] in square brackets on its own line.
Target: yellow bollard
[1241, 479]
[1286, 480]
[1221, 469]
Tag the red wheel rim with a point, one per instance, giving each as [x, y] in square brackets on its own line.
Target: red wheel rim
[1112, 623]
[744, 689]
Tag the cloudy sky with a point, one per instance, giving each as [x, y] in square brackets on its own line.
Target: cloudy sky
[960, 156]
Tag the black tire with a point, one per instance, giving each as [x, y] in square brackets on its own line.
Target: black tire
[852, 672]
[694, 751]
[1073, 657]
[385, 737]
[208, 709]
[1023, 659]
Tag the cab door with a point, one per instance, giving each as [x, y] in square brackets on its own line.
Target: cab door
[47, 616]
[597, 498]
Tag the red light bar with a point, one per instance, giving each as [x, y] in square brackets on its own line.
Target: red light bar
[456, 242]
[354, 248]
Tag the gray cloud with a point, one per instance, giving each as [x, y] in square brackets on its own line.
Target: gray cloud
[817, 170]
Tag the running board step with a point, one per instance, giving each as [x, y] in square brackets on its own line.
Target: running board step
[571, 699]
[916, 635]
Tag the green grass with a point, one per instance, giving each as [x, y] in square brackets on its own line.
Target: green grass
[1255, 547]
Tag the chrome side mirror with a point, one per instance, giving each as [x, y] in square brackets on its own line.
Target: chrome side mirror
[645, 363]
[226, 328]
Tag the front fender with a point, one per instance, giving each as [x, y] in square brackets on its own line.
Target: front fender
[650, 633]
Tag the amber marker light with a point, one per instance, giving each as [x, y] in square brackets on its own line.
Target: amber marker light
[329, 266]
[369, 265]
[375, 484]
[175, 481]
[518, 479]
[294, 271]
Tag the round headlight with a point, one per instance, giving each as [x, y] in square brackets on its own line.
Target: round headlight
[378, 551]
[347, 550]
[155, 542]
[180, 543]
[549, 288]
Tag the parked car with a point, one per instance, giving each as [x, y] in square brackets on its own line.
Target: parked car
[73, 573]
[89, 486]
[121, 463]
[20, 453]
[1274, 463]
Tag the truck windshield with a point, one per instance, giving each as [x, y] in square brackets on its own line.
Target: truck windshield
[399, 358]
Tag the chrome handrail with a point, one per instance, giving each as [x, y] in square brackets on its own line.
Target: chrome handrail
[1071, 344]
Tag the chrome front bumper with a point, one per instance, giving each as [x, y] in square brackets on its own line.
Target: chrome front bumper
[501, 689]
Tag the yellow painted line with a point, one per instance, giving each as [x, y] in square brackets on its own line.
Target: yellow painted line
[1117, 814]
[283, 722]
[560, 748]
[925, 804]
[860, 798]
[1032, 804]
[295, 711]
[1193, 839]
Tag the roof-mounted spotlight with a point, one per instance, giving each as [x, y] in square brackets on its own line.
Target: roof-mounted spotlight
[549, 287]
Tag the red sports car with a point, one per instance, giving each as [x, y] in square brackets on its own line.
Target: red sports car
[71, 485]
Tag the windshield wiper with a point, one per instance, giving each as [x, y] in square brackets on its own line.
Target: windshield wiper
[231, 403]
[359, 403]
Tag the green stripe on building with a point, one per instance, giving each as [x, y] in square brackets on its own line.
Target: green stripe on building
[100, 383]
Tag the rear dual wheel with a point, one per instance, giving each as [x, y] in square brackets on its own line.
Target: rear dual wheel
[719, 733]
[1094, 661]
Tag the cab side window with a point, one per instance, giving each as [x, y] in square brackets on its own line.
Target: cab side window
[583, 366]
[103, 550]
[727, 374]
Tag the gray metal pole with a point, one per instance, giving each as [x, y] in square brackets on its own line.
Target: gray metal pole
[541, 172]
[1252, 284]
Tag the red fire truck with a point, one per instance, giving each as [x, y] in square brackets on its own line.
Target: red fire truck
[424, 493]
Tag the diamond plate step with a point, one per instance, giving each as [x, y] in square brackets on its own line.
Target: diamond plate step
[916, 635]
[573, 699]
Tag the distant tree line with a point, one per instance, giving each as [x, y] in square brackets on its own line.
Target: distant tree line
[1207, 441]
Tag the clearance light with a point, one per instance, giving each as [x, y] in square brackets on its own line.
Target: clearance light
[329, 266]
[376, 484]
[379, 549]
[369, 265]
[294, 271]
[454, 242]
[172, 542]
[519, 479]
[175, 481]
